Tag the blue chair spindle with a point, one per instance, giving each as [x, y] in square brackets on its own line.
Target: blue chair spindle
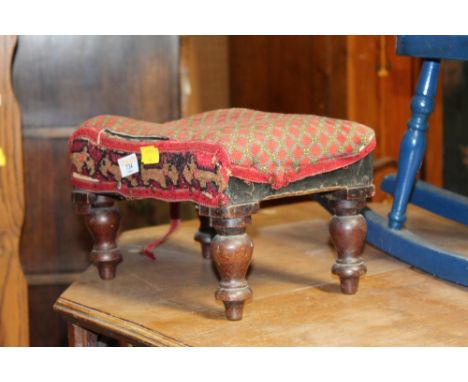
[413, 145]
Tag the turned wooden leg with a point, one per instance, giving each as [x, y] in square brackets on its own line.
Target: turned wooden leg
[205, 235]
[348, 231]
[231, 250]
[102, 220]
[80, 337]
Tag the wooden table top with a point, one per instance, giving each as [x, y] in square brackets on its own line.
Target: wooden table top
[296, 300]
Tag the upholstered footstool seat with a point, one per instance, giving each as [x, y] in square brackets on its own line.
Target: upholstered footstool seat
[226, 161]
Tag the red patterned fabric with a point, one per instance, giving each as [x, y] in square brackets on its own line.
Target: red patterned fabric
[251, 145]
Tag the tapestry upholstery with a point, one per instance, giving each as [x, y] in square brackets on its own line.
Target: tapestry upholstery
[193, 158]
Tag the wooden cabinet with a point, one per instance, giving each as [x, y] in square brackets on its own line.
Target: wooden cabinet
[61, 81]
[352, 77]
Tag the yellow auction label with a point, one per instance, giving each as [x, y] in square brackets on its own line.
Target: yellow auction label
[2, 158]
[149, 154]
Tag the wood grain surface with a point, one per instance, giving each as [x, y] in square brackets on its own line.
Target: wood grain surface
[296, 300]
[13, 289]
[290, 74]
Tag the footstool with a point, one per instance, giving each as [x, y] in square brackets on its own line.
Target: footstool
[226, 161]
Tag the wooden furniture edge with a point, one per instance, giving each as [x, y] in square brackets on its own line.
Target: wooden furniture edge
[14, 316]
[101, 322]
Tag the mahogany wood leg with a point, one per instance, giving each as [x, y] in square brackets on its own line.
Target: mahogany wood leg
[102, 220]
[205, 235]
[80, 337]
[231, 250]
[348, 231]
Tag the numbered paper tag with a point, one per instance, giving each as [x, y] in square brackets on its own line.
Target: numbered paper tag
[149, 154]
[128, 165]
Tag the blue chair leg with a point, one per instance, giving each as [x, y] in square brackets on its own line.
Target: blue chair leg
[413, 145]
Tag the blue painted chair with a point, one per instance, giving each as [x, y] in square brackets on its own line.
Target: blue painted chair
[390, 235]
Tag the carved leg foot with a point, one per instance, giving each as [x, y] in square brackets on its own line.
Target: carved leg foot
[231, 250]
[205, 235]
[348, 231]
[102, 220]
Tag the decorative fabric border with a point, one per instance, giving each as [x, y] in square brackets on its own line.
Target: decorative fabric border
[197, 174]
